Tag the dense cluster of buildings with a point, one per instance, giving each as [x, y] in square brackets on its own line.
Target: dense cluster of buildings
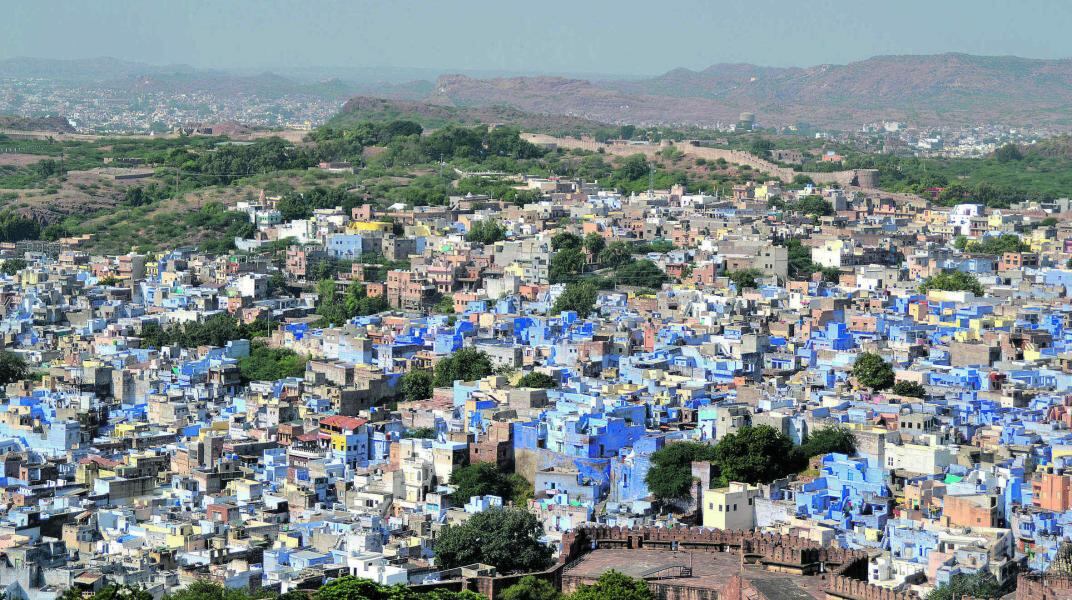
[124, 462]
[895, 137]
[126, 107]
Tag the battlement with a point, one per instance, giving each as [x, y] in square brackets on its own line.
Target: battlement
[844, 571]
[849, 588]
[1041, 586]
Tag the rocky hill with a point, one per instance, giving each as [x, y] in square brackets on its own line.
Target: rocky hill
[579, 98]
[432, 115]
[56, 124]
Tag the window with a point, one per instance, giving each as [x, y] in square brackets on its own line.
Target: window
[749, 502]
[734, 508]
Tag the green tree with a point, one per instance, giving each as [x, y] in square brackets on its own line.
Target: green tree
[952, 281]
[566, 241]
[757, 455]
[416, 385]
[830, 274]
[909, 388]
[745, 278]
[324, 269]
[633, 168]
[270, 364]
[12, 266]
[1008, 153]
[640, 273]
[15, 227]
[216, 330]
[351, 588]
[998, 244]
[136, 196]
[336, 310]
[566, 265]
[522, 197]
[423, 433]
[761, 147]
[506, 538]
[535, 379]
[800, 263]
[486, 232]
[579, 296]
[829, 439]
[871, 371]
[228, 163]
[670, 475]
[331, 309]
[12, 367]
[480, 479]
[277, 283]
[203, 590]
[121, 592]
[530, 588]
[522, 490]
[977, 585]
[661, 246]
[445, 305]
[616, 253]
[594, 244]
[613, 585]
[54, 231]
[354, 588]
[292, 207]
[814, 206]
[467, 364]
[358, 303]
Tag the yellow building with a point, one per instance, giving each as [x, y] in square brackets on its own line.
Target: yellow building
[369, 226]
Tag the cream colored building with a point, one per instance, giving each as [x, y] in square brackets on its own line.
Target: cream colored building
[732, 507]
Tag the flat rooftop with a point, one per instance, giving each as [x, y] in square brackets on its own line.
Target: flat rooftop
[710, 570]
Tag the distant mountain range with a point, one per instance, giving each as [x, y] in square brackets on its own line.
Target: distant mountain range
[135, 77]
[945, 89]
[82, 69]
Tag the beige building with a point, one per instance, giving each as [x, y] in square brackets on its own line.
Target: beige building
[732, 507]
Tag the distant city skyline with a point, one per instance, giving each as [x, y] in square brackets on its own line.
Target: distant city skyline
[614, 38]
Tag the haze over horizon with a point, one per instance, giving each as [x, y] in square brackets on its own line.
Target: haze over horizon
[613, 38]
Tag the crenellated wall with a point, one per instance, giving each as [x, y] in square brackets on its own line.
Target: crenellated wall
[1036, 586]
[491, 587]
[771, 547]
[840, 586]
[843, 571]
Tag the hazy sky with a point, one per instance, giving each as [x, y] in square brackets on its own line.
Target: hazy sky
[572, 36]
